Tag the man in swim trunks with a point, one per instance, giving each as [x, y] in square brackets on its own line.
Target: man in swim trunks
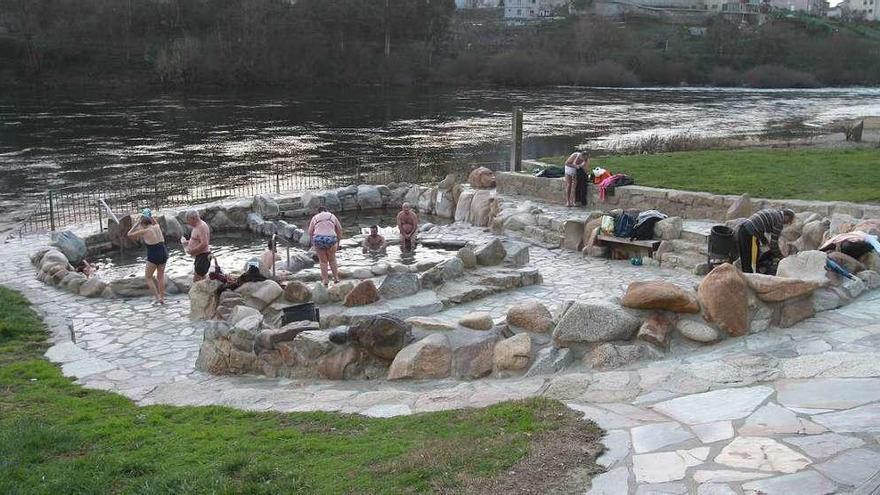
[199, 245]
[374, 243]
[408, 224]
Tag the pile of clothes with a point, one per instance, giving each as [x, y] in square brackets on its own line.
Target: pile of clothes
[638, 228]
[606, 181]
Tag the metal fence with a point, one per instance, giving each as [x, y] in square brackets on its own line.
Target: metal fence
[82, 205]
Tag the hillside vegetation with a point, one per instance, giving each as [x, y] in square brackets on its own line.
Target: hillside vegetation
[309, 43]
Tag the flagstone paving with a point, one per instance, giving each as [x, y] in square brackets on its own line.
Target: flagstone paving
[794, 411]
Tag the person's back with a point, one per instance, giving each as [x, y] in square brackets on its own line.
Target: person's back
[767, 221]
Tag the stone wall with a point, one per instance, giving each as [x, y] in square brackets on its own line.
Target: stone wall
[685, 204]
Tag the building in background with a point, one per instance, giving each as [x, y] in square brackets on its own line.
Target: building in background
[533, 9]
[479, 4]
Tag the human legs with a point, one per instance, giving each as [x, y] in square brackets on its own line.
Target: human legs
[323, 261]
[331, 259]
[148, 279]
[160, 282]
[747, 245]
[569, 190]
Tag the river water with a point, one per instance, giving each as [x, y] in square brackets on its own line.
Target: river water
[105, 141]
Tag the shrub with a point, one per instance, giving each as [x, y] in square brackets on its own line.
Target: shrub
[656, 143]
[775, 76]
[525, 69]
[606, 73]
[725, 77]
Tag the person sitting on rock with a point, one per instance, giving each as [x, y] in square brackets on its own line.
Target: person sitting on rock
[408, 224]
[754, 231]
[855, 244]
[374, 243]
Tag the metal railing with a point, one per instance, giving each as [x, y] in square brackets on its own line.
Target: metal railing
[58, 208]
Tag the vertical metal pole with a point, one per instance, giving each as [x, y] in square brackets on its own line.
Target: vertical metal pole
[100, 217]
[516, 135]
[277, 182]
[358, 175]
[51, 213]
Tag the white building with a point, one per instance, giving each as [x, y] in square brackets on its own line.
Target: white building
[532, 9]
[478, 4]
[870, 9]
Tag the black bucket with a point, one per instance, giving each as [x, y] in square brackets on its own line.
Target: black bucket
[722, 245]
[300, 312]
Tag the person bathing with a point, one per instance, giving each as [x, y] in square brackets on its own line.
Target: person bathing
[325, 231]
[147, 229]
[408, 225]
[374, 243]
[199, 245]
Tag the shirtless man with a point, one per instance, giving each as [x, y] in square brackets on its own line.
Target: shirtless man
[199, 245]
[374, 243]
[408, 224]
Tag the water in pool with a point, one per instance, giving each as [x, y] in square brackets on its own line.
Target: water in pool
[234, 249]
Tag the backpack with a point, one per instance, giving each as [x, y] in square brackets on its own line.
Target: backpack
[623, 227]
[644, 230]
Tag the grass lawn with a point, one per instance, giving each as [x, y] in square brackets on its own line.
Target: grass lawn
[56, 437]
[828, 175]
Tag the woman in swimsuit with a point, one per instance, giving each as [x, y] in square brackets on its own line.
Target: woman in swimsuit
[575, 161]
[148, 230]
[325, 231]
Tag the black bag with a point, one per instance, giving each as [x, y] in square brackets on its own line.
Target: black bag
[645, 230]
[623, 225]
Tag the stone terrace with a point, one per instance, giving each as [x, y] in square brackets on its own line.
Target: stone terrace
[792, 410]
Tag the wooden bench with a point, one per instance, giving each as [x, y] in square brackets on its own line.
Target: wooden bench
[625, 246]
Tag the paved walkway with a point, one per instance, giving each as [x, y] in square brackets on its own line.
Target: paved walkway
[792, 410]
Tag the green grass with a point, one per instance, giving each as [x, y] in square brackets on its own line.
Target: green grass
[56, 437]
[827, 175]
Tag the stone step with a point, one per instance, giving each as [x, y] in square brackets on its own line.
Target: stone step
[294, 213]
[697, 230]
[686, 261]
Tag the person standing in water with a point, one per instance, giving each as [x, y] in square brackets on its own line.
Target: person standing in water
[147, 229]
[408, 225]
[199, 245]
[325, 231]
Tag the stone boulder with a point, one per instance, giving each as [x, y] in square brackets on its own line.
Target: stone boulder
[573, 234]
[724, 296]
[656, 329]
[427, 201]
[513, 354]
[132, 287]
[448, 182]
[812, 235]
[259, 295]
[430, 324]
[226, 303]
[467, 257]
[444, 204]
[297, 292]
[118, 232]
[870, 278]
[598, 321]
[668, 228]
[841, 223]
[362, 294]
[549, 360]
[658, 294]
[851, 264]
[480, 211]
[531, 315]
[202, 299]
[806, 265]
[443, 272]
[71, 245]
[267, 339]
[776, 289]
[741, 208]
[368, 197]
[313, 355]
[481, 178]
[491, 253]
[171, 227]
[796, 310]
[477, 321]
[338, 291]
[74, 280]
[613, 355]
[463, 206]
[266, 207]
[518, 254]
[220, 222]
[399, 285]
[430, 357]
[241, 312]
[698, 331]
[382, 336]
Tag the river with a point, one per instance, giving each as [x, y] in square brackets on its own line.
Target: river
[102, 141]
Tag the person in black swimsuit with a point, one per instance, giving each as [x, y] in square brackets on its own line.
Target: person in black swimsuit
[147, 229]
